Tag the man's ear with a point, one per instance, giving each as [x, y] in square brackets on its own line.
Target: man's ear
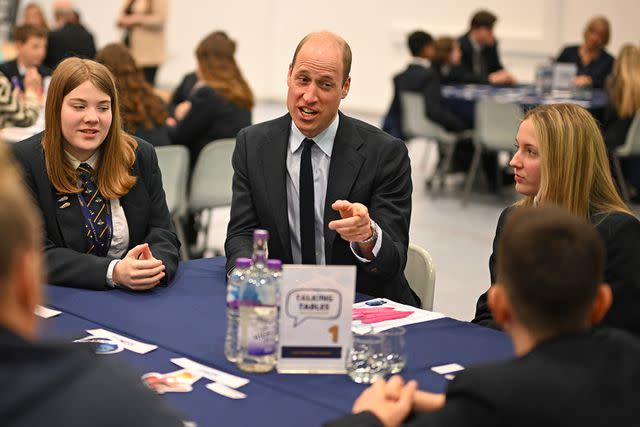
[499, 304]
[601, 303]
[28, 276]
[345, 87]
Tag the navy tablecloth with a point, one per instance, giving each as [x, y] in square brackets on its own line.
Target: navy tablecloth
[188, 318]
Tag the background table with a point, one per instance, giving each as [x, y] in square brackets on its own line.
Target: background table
[188, 319]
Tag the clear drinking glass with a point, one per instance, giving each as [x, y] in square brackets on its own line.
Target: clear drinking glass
[394, 348]
[366, 362]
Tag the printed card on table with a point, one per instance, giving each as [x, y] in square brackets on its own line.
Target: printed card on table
[315, 318]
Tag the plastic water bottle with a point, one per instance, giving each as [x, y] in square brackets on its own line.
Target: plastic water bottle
[237, 276]
[258, 309]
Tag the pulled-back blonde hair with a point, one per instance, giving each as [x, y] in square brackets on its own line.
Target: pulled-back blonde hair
[574, 168]
[623, 86]
[118, 149]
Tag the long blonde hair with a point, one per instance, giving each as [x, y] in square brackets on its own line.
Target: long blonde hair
[219, 69]
[118, 149]
[574, 167]
[623, 85]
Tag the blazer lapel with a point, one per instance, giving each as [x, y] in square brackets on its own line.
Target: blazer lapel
[346, 162]
[273, 163]
[68, 212]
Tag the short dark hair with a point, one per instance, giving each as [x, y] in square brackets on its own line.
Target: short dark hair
[417, 41]
[346, 55]
[483, 18]
[22, 33]
[550, 263]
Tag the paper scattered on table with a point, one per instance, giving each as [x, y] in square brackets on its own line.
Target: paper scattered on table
[226, 391]
[45, 312]
[383, 314]
[189, 424]
[128, 343]
[447, 369]
[180, 381]
[210, 373]
[103, 345]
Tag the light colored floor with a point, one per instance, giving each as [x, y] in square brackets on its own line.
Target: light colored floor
[459, 239]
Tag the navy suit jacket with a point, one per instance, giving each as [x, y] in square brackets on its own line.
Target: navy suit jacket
[367, 166]
[598, 69]
[465, 71]
[10, 69]
[65, 246]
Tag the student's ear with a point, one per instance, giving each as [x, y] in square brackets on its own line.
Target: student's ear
[499, 305]
[29, 282]
[601, 303]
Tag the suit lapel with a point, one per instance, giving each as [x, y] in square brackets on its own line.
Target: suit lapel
[68, 212]
[273, 164]
[346, 162]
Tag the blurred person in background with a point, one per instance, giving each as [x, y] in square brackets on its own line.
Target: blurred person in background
[143, 112]
[31, 46]
[593, 61]
[70, 38]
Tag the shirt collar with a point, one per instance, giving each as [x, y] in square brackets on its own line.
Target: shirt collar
[21, 69]
[475, 45]
[91, 161]
[424, 62]
[324, 139]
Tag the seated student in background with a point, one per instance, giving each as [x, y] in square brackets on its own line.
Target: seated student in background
[20, 108]
[446, 59]
[33, 14]
[561, 159]
[54, 384]
[623, 90]
[31, 45]
[183, 92]
[143, 112]
[220, 105]
[549, 292]
[593, 61]
[420, 45]
[69, 38]
[480, 61]
[99, 190]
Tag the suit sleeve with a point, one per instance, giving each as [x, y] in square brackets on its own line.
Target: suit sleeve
[362, 419]
[244, 218]
[483, 314]
[390, 208]
[493, 63]
[160, 236]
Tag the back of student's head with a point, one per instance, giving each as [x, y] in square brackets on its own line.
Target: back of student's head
[551, 264]
[22, 33]
[442, 48]
[417, 41]
[19, 224]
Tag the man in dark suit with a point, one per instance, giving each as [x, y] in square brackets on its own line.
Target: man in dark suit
[31, 45]
[70, 39]
[480, 61]
[550, 291]
[330, 189]
[53, 384]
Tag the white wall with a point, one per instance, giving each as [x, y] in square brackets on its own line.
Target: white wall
[267, 32]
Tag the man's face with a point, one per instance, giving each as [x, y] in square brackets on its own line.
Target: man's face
[315, 85]
[31, 53]
[484, 36]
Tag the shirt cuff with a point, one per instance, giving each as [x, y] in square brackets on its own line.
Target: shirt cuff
[376, 247]
[110, 281]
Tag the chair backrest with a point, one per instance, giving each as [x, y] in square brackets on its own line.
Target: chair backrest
[496, 123]
[415, 122]
[631, 144]
[174, 166]
[421, 274]
[212, 176]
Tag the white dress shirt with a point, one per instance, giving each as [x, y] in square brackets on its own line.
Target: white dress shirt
[321, 160]
[120, 237]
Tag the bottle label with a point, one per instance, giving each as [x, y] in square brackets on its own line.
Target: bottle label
[258, 330]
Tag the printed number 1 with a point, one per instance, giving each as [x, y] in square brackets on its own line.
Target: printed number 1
[334, 333]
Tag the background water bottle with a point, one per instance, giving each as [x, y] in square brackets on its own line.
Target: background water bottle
[234, 283]
[258, 312]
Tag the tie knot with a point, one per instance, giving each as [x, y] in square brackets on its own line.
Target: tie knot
[85, 172]
[307, 144]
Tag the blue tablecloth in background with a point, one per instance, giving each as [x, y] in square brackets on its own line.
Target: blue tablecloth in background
[187, 318]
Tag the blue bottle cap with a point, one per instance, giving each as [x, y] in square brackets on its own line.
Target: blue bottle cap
[243, 262]
[274, 264]
[260, 234]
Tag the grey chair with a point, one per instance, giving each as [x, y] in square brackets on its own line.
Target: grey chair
[496, 126]
[421, 274]
[631, 147]
[211, 182]
[416, 124]
[174, 166]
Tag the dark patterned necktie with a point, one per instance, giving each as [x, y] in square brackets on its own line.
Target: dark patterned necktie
[307, 205]
[97, 213]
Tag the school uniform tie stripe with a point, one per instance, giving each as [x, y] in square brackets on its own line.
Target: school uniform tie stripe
[97, 213]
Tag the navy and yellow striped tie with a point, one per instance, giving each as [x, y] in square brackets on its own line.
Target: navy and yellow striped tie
[97, 213]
